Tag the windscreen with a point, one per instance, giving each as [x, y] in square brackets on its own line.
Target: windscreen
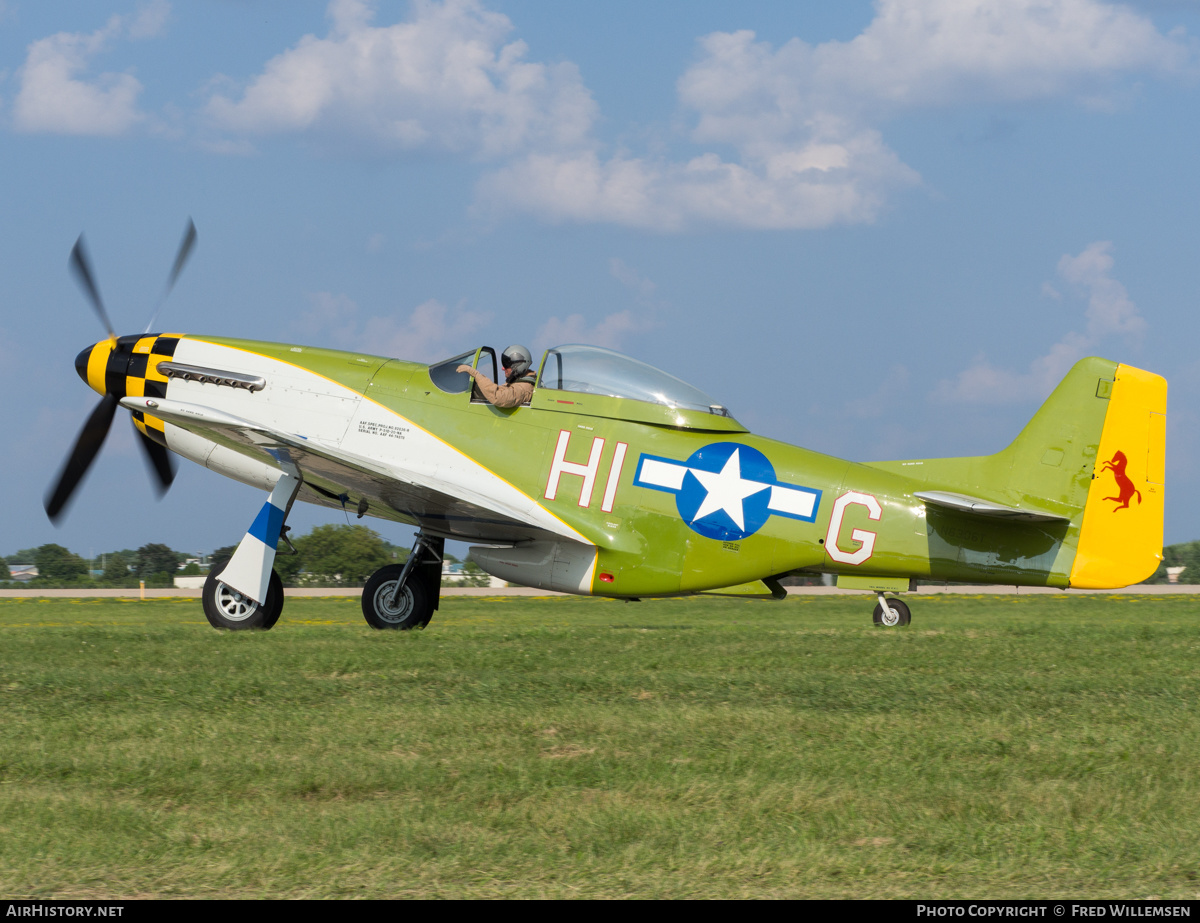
[445, 376]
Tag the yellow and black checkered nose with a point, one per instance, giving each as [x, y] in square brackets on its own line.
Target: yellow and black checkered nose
[127, 366]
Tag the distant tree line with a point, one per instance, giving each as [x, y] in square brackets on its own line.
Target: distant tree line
[329, 555]
[60, 567]
[332, 555]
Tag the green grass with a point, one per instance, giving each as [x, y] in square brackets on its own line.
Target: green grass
[999, 747]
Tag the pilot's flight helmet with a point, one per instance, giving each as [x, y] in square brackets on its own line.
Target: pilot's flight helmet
[517, 358]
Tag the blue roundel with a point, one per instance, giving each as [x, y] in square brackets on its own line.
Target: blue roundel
[726, 491]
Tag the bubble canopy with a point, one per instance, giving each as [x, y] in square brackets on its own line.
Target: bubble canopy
[595, 370]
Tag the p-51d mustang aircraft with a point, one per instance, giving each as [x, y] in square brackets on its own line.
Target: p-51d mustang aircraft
[618, 479]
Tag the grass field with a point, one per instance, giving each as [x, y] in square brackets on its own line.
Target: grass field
[999, 747]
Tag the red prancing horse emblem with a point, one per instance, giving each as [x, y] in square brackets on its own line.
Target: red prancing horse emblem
[1125, 488]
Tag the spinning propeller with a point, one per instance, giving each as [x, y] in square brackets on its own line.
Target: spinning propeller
[105, 365]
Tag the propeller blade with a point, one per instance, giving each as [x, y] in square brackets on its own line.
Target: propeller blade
[185, 250]
[181, 258]
[91, 437]
[81, 266]
[160, 460]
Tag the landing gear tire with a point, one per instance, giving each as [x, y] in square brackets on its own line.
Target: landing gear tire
[274, 607]
[898, 616]
[225, 607]
[384, 607]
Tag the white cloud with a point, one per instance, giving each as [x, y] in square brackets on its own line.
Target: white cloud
[430, 332]
[780, 137]
[446, 81]
[919, 53]
[52, 97]
[1110, 310]
[610, 331]
[613, 329]
[1110, 314]
[56, 97]
[800, 120]
[642, 287]
[150, 20]
[814, 185]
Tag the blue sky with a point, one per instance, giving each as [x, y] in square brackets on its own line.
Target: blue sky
[878, 230]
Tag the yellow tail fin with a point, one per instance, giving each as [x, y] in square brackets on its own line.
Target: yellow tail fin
[1121, 539]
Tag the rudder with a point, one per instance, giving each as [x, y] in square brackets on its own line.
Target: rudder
[1120, 542]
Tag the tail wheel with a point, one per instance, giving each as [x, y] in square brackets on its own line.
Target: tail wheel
[386, 606]
[225, 607]
[899, 614]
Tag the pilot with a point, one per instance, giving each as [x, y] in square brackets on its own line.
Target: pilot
[519, 378]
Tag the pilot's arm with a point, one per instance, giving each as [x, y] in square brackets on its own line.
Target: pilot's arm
[513, 395]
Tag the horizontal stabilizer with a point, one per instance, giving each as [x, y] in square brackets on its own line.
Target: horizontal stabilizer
[965, 504]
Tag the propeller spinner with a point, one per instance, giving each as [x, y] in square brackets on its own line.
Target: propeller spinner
[106, 367]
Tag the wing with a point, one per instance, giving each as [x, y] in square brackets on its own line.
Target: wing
[466, 503]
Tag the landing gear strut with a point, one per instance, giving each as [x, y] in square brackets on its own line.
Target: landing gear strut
[891, 613]
[233, 590]
[403, 596]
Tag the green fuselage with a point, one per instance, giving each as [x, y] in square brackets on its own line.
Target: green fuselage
[638, 517]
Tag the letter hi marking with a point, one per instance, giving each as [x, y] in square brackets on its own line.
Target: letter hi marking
[561, 466]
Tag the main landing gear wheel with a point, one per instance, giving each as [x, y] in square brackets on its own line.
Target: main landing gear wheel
[385, 606]
[225, 607]
[897, 615]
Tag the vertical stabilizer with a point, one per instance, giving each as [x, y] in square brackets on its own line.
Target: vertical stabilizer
[1122, 533]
